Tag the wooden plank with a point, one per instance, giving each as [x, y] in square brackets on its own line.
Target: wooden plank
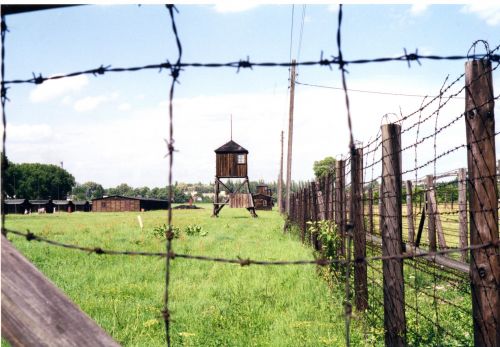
[437, 218]
[431, 222]
[392, 240]
[37, 313]
[462, 212]
[438, 259]
[420, 226]
[483, 202]
[409, 213]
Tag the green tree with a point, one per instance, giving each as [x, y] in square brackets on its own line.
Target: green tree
[324, 167]
[37, 181]
[142, 192]
[123, 189]
[88, 191]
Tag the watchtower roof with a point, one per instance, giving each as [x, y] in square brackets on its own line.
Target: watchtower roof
[231, 147]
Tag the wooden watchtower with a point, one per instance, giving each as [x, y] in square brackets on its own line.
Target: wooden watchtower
[231, 162]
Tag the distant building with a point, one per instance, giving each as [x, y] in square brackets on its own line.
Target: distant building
[38, 205]
[118, 203]
[63, 206]
[263, 198]
[82, 206]
[17, 206]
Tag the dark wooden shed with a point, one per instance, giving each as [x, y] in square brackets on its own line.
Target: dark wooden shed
[17, 206]
[38, 205]
[231, 161]
[263, 198]
[82, 206]
[118, 203]
[263, 201]
[63, 206]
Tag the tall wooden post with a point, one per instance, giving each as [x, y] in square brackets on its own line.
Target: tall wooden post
[462, 211]
[339, 202]
[483, 202]
[356, 217]
[370, 210]
[290, 138]
[392, 242]
[304, 213]
[321, 202]
[431, 221]
[409, 213]
[280, 179]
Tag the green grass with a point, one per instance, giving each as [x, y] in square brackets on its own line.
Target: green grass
[212, 304]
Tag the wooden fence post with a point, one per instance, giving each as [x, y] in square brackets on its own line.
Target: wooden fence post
[356, 217]
[304, 213]
[321, 203]
[333, 197]
[431, 222]
[409, 212]
[370, 210]
[380, 208]
[434, 212]
[483, 202]
[392, 242]
[462, 211]
[339, 203]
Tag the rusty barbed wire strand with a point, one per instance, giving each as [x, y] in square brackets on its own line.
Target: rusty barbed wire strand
[245, 64]
[29, 236]
[174, 72]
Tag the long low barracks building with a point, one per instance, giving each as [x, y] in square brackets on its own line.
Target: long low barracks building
[118, 203]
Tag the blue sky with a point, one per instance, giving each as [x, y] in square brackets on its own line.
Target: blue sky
[110, 129]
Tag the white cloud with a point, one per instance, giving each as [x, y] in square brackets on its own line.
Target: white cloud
[490, 12]
[333, 8]
[418, 9]
[67, 100]
[53, 89]
[124, 107]
[132, 148]
[89, 103]
[30, 133]
[234, 6]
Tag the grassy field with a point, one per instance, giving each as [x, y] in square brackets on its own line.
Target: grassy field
[211, 304]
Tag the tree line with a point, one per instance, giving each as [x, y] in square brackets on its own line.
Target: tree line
[46, 181]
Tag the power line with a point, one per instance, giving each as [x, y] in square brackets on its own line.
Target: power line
[368, 91]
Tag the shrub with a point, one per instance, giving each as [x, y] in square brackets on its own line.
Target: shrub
[160, 231]
[195, 230]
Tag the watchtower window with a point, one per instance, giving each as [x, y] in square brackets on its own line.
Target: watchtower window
[241, 159]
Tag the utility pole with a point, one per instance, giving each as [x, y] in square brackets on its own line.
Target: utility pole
[280, 179]
[290, 139]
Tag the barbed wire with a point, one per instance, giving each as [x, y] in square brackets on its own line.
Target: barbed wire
[245, 64]
[174, 72]
[30, 236]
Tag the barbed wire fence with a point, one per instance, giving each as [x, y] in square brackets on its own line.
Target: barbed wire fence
[365, 227]
[405, 301]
